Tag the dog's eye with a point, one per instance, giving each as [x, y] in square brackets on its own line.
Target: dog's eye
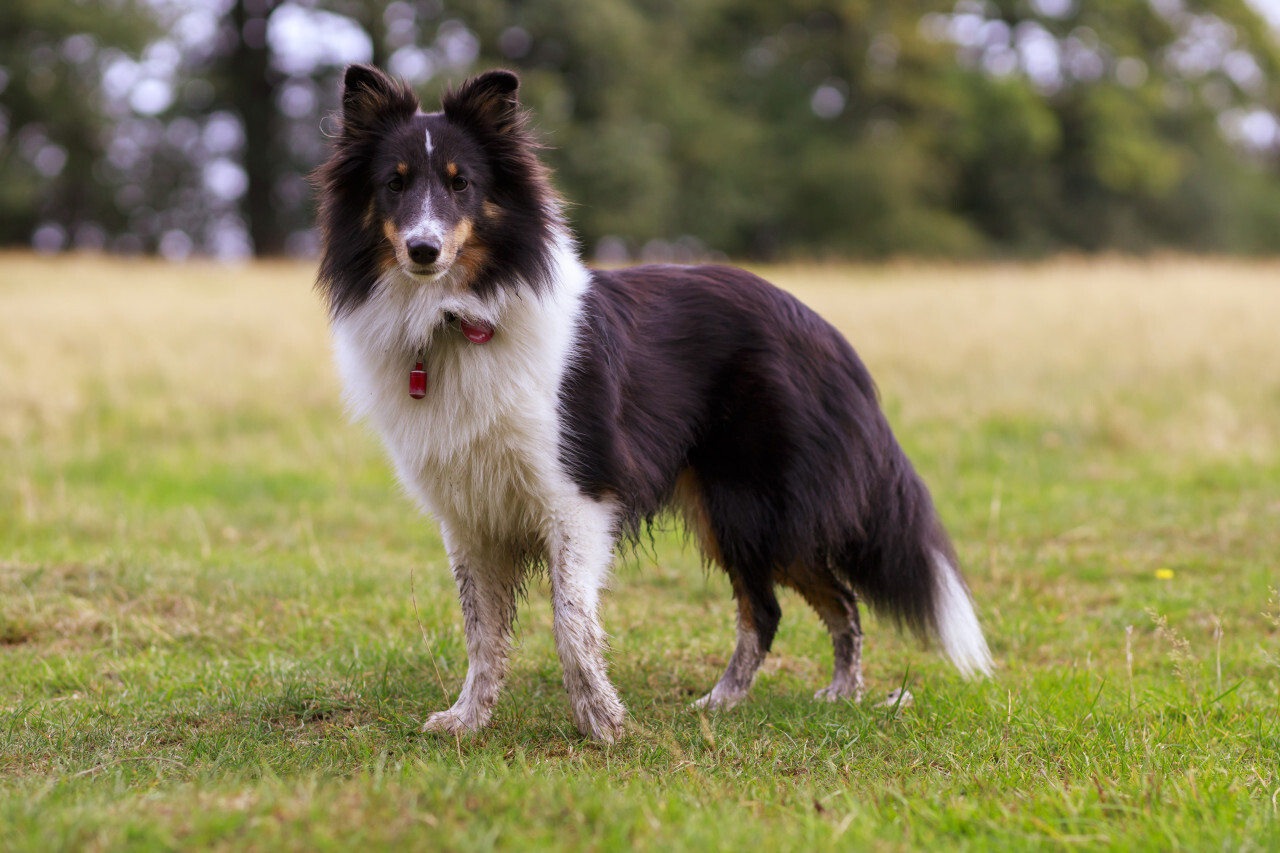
[460, 183]
[395, 184]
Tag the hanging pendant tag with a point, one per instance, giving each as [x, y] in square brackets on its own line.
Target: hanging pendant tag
[417, 382]
[478, 333]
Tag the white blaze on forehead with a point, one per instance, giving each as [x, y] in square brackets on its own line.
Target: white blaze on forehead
[427, 134]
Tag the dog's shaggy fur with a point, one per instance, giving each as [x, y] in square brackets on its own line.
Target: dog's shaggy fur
[566, 408]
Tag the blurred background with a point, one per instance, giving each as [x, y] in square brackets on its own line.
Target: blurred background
[679, 129]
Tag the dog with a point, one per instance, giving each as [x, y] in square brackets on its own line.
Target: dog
[545, 413]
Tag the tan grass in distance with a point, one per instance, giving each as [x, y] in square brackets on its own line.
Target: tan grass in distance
[166, 341]
[1174, 353]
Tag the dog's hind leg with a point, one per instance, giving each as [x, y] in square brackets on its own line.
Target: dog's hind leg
[758, 616]
[581, 552]
[487, 585]
[837, 606]
[758, 611]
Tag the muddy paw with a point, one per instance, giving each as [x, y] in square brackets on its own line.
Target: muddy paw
[719, 700]
[603, 721]
[834, 693]
[452, 722]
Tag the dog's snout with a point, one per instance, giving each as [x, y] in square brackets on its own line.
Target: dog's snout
[423, 251]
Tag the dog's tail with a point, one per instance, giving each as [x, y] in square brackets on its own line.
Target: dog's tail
[902, 563]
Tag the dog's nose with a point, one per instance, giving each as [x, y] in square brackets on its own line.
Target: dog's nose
[423, 252]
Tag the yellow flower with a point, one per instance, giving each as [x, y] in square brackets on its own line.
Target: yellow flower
[1164, 574]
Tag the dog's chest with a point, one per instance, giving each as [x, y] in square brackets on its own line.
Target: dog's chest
[482, 449]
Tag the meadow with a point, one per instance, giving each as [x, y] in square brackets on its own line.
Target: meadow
[221, 624]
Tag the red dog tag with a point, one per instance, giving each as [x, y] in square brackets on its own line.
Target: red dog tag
[418, 382]
[477, 333]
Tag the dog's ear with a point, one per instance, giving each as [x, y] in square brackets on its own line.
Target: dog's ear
[486, 102]
[368, 94]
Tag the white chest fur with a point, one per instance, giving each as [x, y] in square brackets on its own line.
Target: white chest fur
[481, 451]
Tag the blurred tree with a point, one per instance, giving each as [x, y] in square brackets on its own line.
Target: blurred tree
[871, 128]
[248, 85]
[1095, 125]
[677, 128]
[52, 117]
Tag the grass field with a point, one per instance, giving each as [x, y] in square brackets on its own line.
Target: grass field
[208, 631]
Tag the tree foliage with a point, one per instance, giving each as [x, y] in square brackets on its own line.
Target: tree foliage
[754, 128]
[52, 120]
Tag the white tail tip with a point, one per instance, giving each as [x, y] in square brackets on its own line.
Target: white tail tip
[959, 633]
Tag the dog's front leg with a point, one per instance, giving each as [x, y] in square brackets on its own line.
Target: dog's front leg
[487, 591]
[581, 551]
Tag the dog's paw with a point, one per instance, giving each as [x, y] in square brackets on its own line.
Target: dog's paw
[602, 720]
[454, 721]
[719, 699]
[834, 693]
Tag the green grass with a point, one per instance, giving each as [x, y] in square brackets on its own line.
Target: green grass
[221, 624]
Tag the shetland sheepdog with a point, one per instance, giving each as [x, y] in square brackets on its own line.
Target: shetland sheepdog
[544, 412]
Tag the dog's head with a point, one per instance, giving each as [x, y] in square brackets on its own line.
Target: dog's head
[455, 198]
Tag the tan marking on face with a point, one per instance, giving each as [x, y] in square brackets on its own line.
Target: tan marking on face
[471, 260]
[471, 254]
[390, 231]
[402, 169]
[461, 234]
[452, 169]
[388, 252]
[395, 242]
[386, 259]
[370, 215]
[492, 210]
